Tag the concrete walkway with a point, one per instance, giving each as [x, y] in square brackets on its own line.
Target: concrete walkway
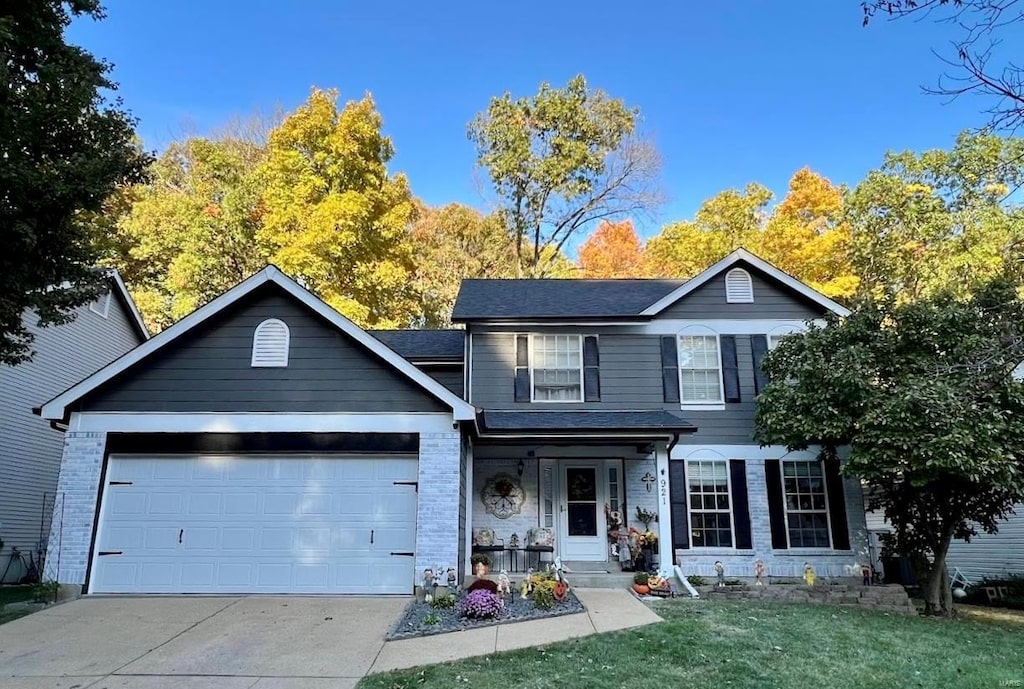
[257, 642]
[607, 610]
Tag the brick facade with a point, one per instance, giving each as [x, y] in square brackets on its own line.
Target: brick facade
[437, 512]
[74, 512]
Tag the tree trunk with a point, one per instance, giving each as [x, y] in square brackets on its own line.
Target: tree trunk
[938, 597]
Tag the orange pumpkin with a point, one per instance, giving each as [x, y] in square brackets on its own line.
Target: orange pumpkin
[642, 589]
[560, 591]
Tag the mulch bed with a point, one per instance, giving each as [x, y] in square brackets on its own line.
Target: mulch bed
[412, 623]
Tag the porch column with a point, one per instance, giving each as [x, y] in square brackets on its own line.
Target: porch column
[667, 559]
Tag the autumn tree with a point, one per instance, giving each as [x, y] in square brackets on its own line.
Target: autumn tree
[560, 161]
[452, 243]
[332, 214]
[922, 395]
[978, 61]
[939, 220]
[189, 234]
[613, 251]
[804, 235]
[64, 148]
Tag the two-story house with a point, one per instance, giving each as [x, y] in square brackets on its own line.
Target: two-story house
[30, 451]
[266, 444]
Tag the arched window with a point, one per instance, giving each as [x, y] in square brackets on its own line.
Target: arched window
[738, 288]
[270, 344]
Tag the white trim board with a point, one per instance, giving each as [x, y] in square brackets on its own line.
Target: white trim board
[759, 263]
[727, 326]
[133, 310]
[56, 409]
[260, 422]
[709, 452]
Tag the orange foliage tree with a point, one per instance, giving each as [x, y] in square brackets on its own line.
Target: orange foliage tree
[613, 251]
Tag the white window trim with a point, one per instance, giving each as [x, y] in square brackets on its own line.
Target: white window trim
[689, 508]
[785, 507]
[104, 310]
[287, 344]
[730, 298]
[533, 358]
[718, 405]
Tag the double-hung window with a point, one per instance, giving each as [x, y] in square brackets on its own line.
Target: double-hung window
[700, 368]
[806, 504]
[710, 511]
[557, 368]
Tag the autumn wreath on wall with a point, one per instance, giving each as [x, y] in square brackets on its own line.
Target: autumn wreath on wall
[503, 496]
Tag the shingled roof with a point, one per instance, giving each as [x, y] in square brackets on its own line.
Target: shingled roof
[424, 344]
[557, 298]
[645, 421]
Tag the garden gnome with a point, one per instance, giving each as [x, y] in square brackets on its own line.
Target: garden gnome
[428, 584]
[452, 579]
[808, 574]
[759, 572]
[720, 572]
[504, 585]
[865, 573]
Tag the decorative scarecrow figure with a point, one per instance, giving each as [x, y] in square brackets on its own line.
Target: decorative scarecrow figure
[720, 573]
[428, 584]
[865, 573]
[759, 573]
[808, 574]
[453, 583]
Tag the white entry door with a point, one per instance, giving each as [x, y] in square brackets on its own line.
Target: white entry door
[582, 531]
[257, 524]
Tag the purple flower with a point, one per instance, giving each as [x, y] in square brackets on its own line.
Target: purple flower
[480, 605]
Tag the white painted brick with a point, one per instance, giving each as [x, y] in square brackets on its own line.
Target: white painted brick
[74, 508]
[437, 516]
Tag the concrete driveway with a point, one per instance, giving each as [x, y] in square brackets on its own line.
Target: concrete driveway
[197, 643]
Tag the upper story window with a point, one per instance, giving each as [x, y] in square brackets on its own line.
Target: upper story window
[557, 368]
[270, 344]
[101, 306]
[738, 287]
[700, 368]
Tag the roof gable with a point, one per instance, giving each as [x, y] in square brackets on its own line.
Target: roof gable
[58, 408]
[744, 258]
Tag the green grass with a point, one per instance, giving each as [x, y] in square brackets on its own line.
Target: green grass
[13, 594]
[745, 645]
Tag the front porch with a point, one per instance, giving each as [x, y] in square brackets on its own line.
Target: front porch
[578, 501]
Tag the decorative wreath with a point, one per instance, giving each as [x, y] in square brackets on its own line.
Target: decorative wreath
[502, 496]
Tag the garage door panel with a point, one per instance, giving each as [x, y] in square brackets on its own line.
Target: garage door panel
[259, 524]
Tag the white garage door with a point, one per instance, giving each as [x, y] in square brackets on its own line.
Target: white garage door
[257, 524]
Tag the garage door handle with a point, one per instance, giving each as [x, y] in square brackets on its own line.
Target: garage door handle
[108, 552]
[404, 554]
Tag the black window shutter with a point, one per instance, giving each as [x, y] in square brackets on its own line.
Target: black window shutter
[677, 496]
[776, 506]
[670, 368]
[837, 506]
[730, 368]
[591, 369]
[522, 383]
[740, 504]
[758, 347]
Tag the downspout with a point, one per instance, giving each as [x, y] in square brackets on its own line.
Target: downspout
[676, 569]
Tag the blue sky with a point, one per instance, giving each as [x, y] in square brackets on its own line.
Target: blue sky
[732, 92]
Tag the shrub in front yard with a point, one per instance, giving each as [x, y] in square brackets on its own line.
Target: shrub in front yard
[480, 605]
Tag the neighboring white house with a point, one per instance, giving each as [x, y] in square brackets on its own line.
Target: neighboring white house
[30, 450]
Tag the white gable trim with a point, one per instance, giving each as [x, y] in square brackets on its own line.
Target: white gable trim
[56, 409]
[133, 310]
[762, 265]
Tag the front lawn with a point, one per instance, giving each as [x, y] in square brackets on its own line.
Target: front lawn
[741, 644]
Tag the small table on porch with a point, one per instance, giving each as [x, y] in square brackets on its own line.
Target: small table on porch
[538, 549]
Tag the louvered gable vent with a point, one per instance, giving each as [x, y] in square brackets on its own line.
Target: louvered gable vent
[738, 288]
[270, 344]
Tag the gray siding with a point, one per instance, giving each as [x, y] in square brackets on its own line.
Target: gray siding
[209, 370]
[992, 554]
[30, 450]
[771, 300]
[630, 379]
[448, 376]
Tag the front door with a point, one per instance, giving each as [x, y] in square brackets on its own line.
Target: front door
[582, 528]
